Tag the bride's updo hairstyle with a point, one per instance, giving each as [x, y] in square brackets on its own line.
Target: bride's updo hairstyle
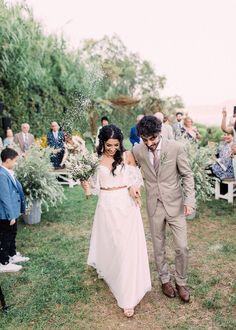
[111, 132]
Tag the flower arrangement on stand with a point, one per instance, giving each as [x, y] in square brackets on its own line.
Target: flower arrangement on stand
[39, 183]
[81, 168]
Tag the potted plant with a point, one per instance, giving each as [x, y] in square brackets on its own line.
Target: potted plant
[39, 183]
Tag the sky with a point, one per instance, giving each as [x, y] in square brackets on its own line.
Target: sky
[191, 42]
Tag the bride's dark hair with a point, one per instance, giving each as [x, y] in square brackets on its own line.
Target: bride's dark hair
[111, 132]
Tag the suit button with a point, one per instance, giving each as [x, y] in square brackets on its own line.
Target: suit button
[19, 201]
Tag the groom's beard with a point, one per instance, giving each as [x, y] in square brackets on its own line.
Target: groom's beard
[153, 146]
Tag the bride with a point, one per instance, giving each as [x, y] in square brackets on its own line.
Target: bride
[118, 249]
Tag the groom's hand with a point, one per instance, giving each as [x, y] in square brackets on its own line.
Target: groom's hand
[187, 210]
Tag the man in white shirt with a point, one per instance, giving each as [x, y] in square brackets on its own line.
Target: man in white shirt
[24, 139]
[177, 127]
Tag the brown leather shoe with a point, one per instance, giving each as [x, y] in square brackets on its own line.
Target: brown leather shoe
[183, 293]
[168, 290]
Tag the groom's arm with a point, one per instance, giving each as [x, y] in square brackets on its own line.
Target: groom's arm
[187, 177]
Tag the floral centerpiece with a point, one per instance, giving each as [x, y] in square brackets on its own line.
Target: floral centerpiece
[39, 183]
[81, 168]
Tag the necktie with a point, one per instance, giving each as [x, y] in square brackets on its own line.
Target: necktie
[156, 161]
[26, 143]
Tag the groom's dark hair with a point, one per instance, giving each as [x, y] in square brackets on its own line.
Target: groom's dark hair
[149, 126]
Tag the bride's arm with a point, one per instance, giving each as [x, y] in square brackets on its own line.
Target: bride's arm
[135, 178]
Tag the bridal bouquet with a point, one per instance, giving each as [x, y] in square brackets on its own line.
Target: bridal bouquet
[81, 168]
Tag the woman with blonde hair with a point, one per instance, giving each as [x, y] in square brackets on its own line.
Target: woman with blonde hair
[189, 131]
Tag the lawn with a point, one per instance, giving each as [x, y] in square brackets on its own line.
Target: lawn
[56, 289]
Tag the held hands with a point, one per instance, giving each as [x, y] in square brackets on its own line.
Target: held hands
[56, 151]
[136, 195]
[187, 210]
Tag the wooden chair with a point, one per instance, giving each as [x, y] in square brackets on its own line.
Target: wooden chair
[231, 193]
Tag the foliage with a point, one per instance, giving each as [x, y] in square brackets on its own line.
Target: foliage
[200, 158]
[130, 85]
[209, 134]
[35, 173]
[38, 76]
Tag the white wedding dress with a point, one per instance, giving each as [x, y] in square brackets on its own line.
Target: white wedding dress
[118, 248]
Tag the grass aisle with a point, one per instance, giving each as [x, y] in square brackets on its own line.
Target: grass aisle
[56, 290]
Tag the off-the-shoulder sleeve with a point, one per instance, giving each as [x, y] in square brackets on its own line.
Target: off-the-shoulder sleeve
[95, 185]
[134, 176]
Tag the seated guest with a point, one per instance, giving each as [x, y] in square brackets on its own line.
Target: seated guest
[133, 136]
[189, 131]
[9, 139]
[24, 139]
[73, 145]
[223, 168]
[55, 140]
[233, 155]
[166, 129]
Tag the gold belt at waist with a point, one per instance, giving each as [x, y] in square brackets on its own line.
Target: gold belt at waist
[113, 188]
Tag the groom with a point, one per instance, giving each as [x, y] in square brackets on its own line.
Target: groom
[169, 186]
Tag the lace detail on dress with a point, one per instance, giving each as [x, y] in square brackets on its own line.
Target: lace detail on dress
[95, 186]
[134, 176]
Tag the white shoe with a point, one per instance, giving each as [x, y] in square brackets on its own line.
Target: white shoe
[9, 268]
[18, 258]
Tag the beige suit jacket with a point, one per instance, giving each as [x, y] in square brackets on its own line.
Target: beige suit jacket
[19, 139]
[174, 182]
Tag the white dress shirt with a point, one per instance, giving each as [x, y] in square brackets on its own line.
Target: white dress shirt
[55, 134]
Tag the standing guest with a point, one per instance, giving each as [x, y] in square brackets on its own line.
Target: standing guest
[55, 139]
[178, 125]
[1, 144]
[166, 129]
[189, 131]
[73, 145]
[133, 136]
[170, 192]
[104, 122]
[9, 139]
[24, 139]
[225, 128]
[12, 204]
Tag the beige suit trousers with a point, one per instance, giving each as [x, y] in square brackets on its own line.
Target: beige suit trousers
[178, 227]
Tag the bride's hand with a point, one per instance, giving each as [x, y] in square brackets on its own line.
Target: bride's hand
[134, 192]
